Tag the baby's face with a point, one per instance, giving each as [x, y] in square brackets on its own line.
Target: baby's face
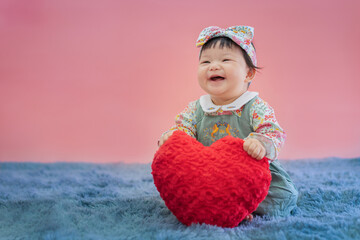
[223, 74]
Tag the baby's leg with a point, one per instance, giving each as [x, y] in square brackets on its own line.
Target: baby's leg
[282, 195]
[276, 205]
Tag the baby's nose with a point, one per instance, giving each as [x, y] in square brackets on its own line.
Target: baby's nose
[214, 66]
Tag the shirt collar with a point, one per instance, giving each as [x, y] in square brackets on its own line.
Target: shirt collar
[208, 106]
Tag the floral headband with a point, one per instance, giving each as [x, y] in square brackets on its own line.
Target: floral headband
[241, 35]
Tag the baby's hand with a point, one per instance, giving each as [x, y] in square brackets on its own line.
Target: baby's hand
[254, 148]
[164, 138]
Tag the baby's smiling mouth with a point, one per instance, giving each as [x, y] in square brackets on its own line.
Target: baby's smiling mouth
[216, 78]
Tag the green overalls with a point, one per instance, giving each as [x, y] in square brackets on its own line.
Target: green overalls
[282, 195]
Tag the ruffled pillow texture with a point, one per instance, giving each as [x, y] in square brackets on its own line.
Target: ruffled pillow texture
[217, 185]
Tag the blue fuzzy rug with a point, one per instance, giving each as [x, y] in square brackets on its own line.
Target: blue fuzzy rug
[120, 201]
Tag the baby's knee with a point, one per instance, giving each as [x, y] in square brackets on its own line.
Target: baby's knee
[288, 204]
[278, 205]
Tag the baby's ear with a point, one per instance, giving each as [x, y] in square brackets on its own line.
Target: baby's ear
[250, 75]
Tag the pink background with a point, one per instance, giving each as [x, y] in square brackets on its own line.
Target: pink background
[99, 81]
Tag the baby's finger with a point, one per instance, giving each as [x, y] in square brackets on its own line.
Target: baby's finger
[246, 146]
[260, 156]
[252, 149]
[256, 153]
[262, 153]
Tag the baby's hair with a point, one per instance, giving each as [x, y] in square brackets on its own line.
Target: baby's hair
[227, 42]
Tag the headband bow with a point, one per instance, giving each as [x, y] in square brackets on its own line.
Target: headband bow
[241, 35]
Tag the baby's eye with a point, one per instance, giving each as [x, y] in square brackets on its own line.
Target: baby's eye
[205, 62]
[226, 60]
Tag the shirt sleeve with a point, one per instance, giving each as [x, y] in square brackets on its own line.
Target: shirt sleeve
[186, 121]
[267, 129]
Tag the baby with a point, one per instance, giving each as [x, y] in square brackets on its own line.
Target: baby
[227, 65]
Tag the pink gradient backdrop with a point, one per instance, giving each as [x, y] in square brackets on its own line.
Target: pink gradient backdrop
[99, 81]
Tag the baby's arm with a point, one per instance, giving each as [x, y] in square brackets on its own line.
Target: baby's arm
[184, 121]
[267, 130]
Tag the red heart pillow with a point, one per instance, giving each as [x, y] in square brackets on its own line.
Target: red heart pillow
[218, 185]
